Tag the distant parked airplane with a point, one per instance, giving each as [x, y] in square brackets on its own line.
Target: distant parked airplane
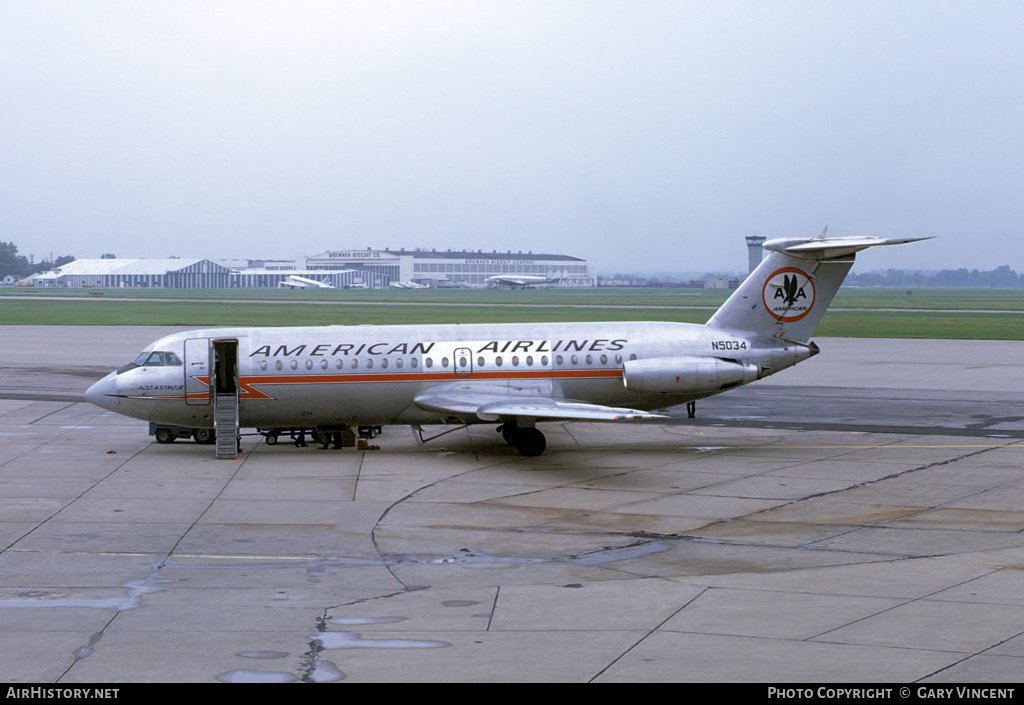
[522, 281]
[294, 281]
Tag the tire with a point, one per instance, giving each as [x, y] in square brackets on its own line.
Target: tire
[508, 432]
[205, 436]
[164, 435]
[271, 439]
[530, 442]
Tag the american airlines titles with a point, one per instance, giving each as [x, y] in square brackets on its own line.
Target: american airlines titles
[493, 346]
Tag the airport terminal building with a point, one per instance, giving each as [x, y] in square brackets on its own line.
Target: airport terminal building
[369, 268]
[456, 268]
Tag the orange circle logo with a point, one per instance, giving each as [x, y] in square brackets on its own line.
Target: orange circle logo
[788, 294]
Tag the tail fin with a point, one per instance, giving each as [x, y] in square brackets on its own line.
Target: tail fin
[787, 294]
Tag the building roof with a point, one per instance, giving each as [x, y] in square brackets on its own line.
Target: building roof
[484, 254]
[99, 267]
[461, 254]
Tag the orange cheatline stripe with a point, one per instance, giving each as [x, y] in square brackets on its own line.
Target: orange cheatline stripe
[250, 382]
[425, 376]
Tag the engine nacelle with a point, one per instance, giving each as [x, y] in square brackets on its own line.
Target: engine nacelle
[679, 375]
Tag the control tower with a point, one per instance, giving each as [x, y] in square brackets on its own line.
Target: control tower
[754, 251]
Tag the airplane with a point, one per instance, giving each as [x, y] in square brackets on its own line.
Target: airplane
[294, 281]
[522, 281]
[332, 379]
[408, 285]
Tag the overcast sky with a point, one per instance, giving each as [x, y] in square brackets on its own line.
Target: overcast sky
[644, 135]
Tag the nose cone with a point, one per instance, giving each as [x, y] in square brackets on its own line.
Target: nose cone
[103, 393]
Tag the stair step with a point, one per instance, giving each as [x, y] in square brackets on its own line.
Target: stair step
[225, 421]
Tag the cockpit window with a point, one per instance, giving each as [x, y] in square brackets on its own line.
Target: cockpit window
[160, 359]
[137, 362]
[153, 358]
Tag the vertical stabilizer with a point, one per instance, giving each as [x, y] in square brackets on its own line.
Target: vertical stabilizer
[787, 294]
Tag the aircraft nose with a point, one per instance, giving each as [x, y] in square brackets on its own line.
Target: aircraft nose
[102, 393]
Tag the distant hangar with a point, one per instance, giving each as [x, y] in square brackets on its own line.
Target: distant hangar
[137, 273]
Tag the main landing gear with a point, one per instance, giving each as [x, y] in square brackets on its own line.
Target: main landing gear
[168, 434]
[327, 436]
[528, 440]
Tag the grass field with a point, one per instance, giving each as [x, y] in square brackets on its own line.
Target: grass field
[932, 299]
[878, 313]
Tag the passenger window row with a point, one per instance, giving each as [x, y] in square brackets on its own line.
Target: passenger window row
[428, 362]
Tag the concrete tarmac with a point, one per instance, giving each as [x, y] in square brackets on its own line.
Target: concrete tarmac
[859, 518]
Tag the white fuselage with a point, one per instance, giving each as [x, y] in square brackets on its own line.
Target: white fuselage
[370, 375]
[336, 377]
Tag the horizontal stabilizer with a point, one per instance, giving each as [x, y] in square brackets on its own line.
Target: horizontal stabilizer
[832, 247]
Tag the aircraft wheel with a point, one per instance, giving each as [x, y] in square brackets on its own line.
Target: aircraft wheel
[204, 435]
[164, 435]
[530, 442]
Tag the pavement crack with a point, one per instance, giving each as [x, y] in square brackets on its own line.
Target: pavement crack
[647, 635]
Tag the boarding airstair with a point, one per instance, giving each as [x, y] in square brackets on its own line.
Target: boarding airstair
[225, 421]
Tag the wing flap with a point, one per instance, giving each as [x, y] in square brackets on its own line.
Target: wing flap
[489, 407]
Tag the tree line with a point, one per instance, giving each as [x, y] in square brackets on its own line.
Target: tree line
[14, 265]
[999, 278]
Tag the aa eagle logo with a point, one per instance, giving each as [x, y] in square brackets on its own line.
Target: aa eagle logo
[788, 294]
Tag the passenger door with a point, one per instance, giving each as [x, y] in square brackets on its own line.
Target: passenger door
[197, 364]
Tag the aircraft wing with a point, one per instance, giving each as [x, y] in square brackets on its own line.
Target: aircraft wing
[492, 407]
